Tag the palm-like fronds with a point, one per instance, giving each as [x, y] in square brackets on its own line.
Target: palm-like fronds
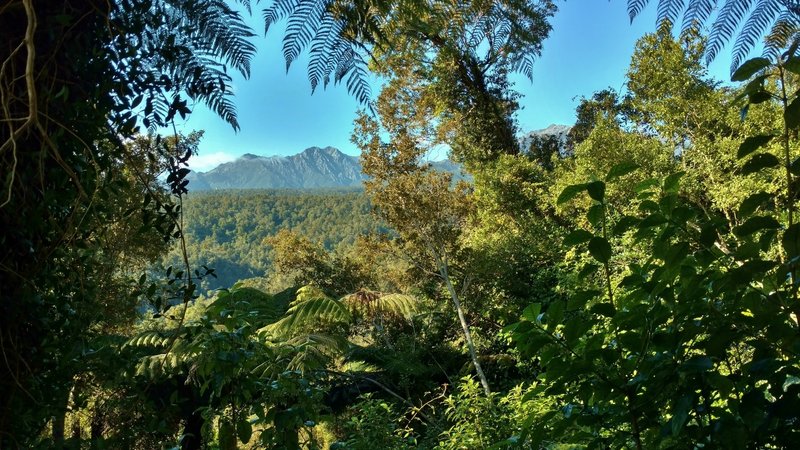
[312, 25]
[182, 47]
[743, 21]
[313, 306]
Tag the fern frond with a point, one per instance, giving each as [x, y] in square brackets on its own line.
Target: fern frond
[311, 306]
[783, 32]
[635, 7]
[697, 13]
[756, 25]
[668, 10]
[302, 27]
[371, 303]
[279, 10]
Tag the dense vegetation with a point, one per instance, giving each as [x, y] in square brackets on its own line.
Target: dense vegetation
[227, 230]
[637, 290]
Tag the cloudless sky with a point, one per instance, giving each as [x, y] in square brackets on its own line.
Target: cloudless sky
[589, 49]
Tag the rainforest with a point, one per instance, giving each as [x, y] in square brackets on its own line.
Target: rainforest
[633, 285]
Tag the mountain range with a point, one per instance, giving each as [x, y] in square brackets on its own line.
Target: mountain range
[313, 168]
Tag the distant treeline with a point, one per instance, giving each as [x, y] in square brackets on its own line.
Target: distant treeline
[226, 229]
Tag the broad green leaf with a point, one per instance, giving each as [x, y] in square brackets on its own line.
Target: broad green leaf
[570, 192]
[589, 269]
[531, 312]
[226, 437]
[757, 97]
[792, 65]
[604, 309]
[679, 414]
[759, 161]
[749, 68]
[755, 224]
[671, 182]
[697, 364]
[645, 185]
[624, 224]
[791, 115]
[597, 190]
[579, 299]
[752, 203]
[620, 170]
[595, 214]
[791, 241]
[752, 144]
[600, 249]
[577, 237]
[244, 430]
[794, 167]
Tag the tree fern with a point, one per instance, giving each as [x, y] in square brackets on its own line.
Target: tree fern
[743, 21]
[313, 306]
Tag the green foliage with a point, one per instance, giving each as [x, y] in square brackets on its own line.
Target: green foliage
[232, 232]
[774, 20]
[374, 423]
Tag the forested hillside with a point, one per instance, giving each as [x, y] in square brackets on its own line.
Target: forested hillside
[636, 289]
[228, 230]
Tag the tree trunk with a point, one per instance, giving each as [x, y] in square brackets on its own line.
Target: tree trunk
[464, 326]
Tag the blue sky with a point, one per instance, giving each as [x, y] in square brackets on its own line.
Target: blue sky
[588, 49]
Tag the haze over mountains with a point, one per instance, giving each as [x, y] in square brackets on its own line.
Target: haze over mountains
[313, 168]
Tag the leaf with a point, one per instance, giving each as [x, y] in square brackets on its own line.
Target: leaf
[679, 414]
[531, 312]
[749, 68]
[791, 115]
[624, 224]
[759, 161]
[620, 170]
[752, 144]
[244, 430]
[791, 241]
[697, 364]
[671, 182]
[587, 270]
[790, 381]
[645, 185]
[604, 309]
[579, 299]
[597, 190]
[757, 97]
[793, 65]
[595, 214]
[755, 224]
[570, 192]
[577, 237]
[752, 203]
[600, 249]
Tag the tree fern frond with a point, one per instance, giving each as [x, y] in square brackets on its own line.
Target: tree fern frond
[302, 27]
[635, 7]
[784, 30]
[697, 13]
[372, 303]
[311, 306]
[668, 10]
[148, 339]
[727, 22]
[323, 49]
[279, 10]
[756, 25]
